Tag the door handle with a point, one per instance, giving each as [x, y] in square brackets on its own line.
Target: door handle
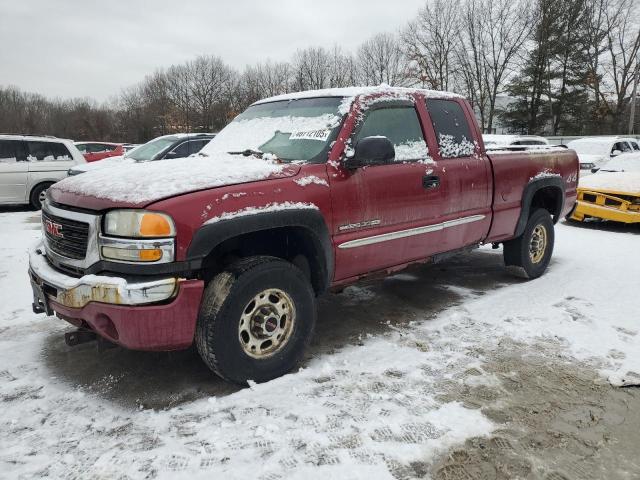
[430, 182]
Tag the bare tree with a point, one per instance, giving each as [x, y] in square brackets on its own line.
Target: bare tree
[430, 42]
[381, 60]
[311, 68]
[620, 55]
[492, 36]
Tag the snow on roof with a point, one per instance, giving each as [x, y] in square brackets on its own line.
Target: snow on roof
[145, 182]
[34, 138]
[624, 182]
[352, 92]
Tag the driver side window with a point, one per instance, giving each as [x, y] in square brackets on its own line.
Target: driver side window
[401, 126]
[181, 150]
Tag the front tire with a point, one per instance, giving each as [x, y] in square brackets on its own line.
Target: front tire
[36, 199]
[256, 320]
[528, 256]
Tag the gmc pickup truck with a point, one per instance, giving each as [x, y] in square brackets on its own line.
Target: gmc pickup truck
[301, 193]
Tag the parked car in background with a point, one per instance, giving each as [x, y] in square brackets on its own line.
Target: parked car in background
[179, 145]
[130, 146]
[593, 152]
[514, 142]
[94, 151]
[29, 165]
[298, 194]
[613, 193]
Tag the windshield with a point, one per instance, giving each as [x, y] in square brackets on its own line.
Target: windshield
[292, 130]
[590, 148]
[150, 149]
[629, 162]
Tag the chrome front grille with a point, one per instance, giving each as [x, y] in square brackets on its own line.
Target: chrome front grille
[66, 237]
[70, 238]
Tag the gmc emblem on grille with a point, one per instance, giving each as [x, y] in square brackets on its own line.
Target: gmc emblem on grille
[53, 229]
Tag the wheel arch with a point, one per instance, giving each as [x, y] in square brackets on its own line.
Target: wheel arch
[547, 193]
[297, 235]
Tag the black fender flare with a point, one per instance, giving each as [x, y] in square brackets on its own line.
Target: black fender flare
[211, 235]
[534, 186]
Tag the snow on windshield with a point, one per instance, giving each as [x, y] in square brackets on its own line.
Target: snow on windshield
[628, 162]
[291, 130]
[590, 147]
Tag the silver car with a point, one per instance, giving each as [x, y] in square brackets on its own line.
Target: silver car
[30, 164]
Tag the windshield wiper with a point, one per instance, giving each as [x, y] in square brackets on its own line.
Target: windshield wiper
[248, 152]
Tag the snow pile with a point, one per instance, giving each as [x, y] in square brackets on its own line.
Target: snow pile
[148, 181]
[449, 148]
[308, 180]
[272, 207]
[626, 182]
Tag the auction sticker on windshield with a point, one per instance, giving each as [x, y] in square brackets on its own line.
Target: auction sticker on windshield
[321, 135]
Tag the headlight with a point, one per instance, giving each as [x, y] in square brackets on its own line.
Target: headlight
[138, 224]
[137, 236]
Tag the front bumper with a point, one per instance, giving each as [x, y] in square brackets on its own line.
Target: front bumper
[77, 292]
[140, 315]
[617, 209]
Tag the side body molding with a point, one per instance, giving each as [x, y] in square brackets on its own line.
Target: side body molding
[311, 221]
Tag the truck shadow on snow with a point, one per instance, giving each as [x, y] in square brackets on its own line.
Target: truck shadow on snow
[164, 380]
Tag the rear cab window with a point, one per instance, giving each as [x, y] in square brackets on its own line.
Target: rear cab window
[401, 125]
[451, 128]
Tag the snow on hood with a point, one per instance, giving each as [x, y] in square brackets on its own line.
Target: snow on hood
[627, 182]
[590, 158]
[107, 162]
[145, 182]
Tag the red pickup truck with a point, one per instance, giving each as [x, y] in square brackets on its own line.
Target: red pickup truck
[299, 194]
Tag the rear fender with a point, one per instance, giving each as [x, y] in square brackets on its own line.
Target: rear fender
[554, 184]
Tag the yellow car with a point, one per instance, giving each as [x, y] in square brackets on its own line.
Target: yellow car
[613, 193]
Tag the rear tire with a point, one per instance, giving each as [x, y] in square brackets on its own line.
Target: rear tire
[256, 320]
[36, 199]
[528, 256]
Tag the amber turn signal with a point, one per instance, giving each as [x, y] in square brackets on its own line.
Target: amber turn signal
[155, 225]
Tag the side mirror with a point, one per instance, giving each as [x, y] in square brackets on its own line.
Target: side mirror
[371, 151]
[615, 153]
[171, 154]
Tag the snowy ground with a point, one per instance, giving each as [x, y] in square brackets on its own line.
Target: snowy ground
[452, 371]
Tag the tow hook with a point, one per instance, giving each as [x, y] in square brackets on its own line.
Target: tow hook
[82, 335]
[79, 337]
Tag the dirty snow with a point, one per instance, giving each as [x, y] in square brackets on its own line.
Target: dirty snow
[272, 207]
[144, 182]
[378, 406]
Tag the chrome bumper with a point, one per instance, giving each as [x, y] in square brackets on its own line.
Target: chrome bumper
[50, 284]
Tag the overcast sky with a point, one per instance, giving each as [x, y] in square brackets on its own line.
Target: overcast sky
[78, 48]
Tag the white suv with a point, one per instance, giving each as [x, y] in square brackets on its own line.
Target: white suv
[29, 165]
